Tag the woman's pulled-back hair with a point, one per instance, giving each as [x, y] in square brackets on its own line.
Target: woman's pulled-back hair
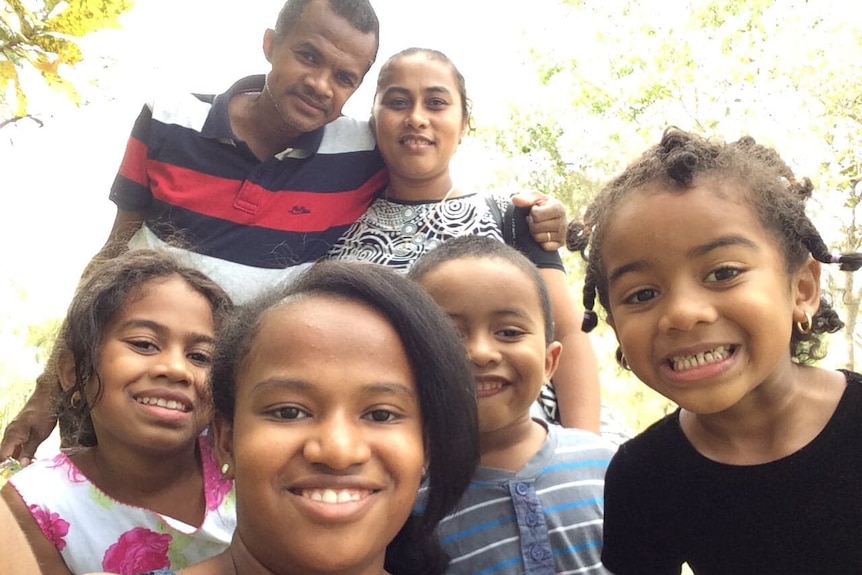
[97, 301]
[444, 384]
[431, 54]
[682, 160]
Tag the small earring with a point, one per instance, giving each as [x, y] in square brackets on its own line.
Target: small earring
[621, 359]
[75, 400]
[225, 468]
[804, 328]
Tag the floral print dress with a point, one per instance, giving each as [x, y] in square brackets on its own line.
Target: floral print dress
[95, 532]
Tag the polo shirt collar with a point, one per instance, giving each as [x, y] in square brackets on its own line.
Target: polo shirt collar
[217, 124]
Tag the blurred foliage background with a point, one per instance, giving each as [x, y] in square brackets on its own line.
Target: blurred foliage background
[566, 92]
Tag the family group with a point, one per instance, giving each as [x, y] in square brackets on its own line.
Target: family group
[304, 349]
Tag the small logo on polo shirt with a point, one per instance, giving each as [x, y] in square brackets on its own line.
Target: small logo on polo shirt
[298, 210]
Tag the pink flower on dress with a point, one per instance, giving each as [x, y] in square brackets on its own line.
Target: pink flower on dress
[52, 525]
[137, 551]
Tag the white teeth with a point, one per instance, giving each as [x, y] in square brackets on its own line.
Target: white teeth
[684, 363]
[161, 402]
[331, 495]
[413, 142]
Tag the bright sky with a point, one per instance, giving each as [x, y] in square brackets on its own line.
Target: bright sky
[56, 178]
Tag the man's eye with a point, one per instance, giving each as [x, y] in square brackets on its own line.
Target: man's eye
[307, 57]
[346, 80]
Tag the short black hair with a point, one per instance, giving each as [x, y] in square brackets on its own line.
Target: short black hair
[359, 13]
[443, 376]
[483, 247]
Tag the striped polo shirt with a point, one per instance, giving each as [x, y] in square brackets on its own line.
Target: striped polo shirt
[198, 185]
[544, 519]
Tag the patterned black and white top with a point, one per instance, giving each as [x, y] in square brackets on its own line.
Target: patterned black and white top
[397, 233]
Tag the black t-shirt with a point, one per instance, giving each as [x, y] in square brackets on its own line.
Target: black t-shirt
[666, 504]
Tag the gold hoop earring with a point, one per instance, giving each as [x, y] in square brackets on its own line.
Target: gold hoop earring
[804, 328]
[75, 401]
[621, 359]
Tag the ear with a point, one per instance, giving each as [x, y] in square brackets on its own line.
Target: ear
[552, 359]
[223, 442]
[806, 289]
[269, 44]
[66, 369]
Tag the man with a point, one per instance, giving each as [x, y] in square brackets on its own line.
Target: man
[257, 182]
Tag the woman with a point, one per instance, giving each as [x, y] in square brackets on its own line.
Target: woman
[419, 116]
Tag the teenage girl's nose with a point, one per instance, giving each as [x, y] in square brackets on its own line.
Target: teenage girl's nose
[337, 442]
[683, 308]
[482, 349]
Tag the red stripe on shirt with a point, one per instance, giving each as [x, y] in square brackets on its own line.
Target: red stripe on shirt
[134, 164]
[247, 203]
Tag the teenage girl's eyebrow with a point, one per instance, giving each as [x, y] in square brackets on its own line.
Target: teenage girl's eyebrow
[281, 383]
[305, 386]
[397, 389]
[162, 329]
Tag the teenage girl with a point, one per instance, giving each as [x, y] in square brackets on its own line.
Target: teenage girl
[333, 398]
[709, 270]
[144, 490]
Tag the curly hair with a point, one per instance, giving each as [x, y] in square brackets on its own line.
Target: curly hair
[774, 193]
[97, 302]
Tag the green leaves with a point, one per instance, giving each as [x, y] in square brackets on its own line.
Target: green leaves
[39, 36]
